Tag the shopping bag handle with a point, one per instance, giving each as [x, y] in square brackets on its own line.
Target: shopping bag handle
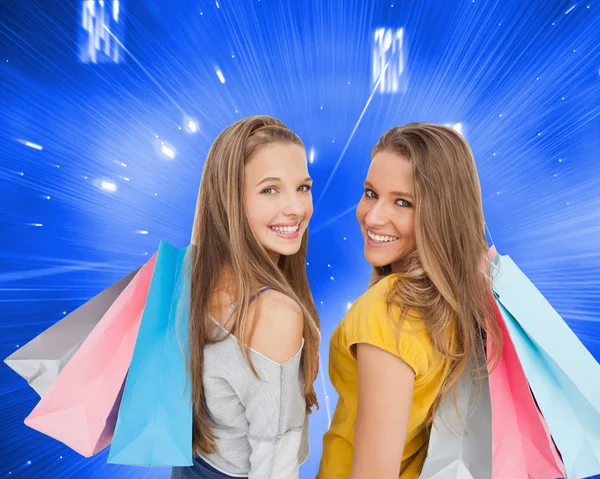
[494, 261]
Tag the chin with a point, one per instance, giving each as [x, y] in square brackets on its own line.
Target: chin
[378, 264]
[377, 260]
[289, 251]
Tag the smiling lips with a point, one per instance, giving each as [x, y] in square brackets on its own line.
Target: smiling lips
[374, 239]
[288, 231]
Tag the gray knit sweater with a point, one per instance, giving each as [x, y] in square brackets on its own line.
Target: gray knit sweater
[261, 424]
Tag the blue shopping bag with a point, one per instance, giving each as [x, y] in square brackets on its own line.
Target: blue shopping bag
[562, 373]
[154, 425]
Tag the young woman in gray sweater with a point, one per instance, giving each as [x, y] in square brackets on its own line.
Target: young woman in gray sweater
[254, 331]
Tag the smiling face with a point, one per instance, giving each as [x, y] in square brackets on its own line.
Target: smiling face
[278, 198]
[386, 211]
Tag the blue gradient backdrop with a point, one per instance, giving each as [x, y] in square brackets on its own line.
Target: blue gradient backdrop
[522, 78]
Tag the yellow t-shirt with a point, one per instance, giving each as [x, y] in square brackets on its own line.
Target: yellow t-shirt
[368, 321]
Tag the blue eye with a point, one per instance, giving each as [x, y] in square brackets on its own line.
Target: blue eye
[305, 188]
[404, 203]
[370, 193]
[269, 191]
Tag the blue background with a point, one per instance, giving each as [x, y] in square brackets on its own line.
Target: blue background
[523, 79]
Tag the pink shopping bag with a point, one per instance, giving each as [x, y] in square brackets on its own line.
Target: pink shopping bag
[81, 406]
[521, 443]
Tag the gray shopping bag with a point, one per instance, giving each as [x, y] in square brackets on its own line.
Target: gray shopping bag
[461, 448]
[43, 358]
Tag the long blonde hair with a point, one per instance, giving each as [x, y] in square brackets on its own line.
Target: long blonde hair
[222, 238]
[443, 278]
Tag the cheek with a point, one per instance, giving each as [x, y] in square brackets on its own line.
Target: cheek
[259, 214]
[405, 224]
[410, 224]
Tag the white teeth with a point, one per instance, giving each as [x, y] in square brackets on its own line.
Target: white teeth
[286, 229]
[381, 239]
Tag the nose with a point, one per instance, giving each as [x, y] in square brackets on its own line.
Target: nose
[294, 206]
[377, 216]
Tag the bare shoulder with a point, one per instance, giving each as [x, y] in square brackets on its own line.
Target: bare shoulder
[279, 326]
[278, 301]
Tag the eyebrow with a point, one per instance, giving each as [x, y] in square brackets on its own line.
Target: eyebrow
[394, 193]
[273, 179]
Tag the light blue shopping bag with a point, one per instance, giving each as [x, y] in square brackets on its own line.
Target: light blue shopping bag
[154, 425]
[562, 373]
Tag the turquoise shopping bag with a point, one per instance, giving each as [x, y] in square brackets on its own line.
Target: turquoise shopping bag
[562, 373]
[154, 425]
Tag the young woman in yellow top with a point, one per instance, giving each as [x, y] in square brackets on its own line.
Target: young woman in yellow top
[407, 340]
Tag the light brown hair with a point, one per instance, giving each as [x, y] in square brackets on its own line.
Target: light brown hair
[222, 238]
[443, 278]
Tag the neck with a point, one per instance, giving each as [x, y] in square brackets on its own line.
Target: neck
[274, 257]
